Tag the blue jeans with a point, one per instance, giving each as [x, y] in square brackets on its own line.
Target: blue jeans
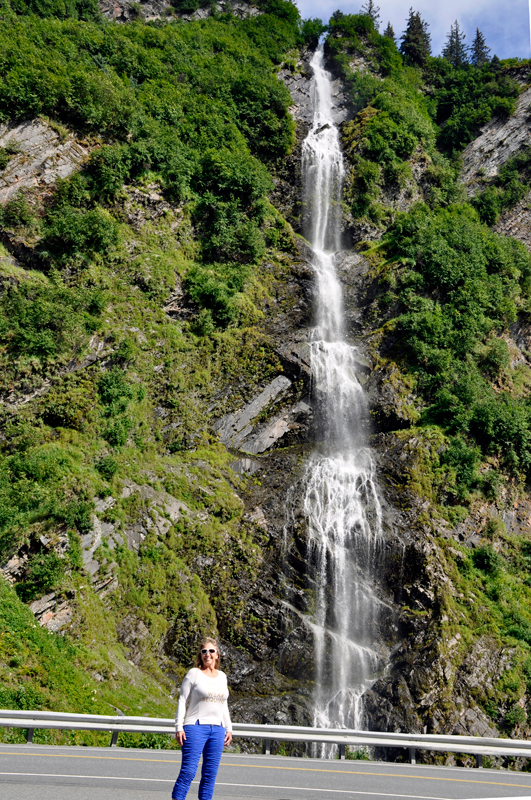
[200, 739]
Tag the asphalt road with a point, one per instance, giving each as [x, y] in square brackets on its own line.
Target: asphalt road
[30, 772]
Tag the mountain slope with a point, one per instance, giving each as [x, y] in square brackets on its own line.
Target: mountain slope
[155, 303]
[132, 297]
[441, 309]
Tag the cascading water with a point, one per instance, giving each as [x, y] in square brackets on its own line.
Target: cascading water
[340, 497]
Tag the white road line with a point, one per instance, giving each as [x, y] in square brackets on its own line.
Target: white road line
[240, 785]
[93, 777]
[334, 791]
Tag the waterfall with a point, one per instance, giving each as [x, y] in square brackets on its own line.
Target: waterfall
[341, 502]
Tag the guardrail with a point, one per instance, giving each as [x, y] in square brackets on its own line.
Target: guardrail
[473, 745]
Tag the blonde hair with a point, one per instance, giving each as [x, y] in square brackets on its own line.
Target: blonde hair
[204, 643]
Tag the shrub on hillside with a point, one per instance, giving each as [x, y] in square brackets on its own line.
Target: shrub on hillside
[71, 232]
[460, 283]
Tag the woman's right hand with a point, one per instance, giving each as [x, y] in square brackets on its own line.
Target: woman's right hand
[181, 737]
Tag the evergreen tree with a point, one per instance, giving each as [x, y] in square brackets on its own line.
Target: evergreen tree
[370, 9]
[337, 16]
[455, 50]
[416, 41]
[389, 32]
[495, 64]
[479, 52]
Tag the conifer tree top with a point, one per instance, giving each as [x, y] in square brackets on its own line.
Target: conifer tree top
[416, 41]
[389, 32]
[479, 52]
[455, 50]
[370, 9]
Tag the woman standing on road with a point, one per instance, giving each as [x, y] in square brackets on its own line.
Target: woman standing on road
[202, 722]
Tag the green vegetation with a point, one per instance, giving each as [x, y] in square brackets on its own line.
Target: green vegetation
[399, 124]
[451, 286]
[109, 400]
[416, 41]
[466, 98]
[106, 395]
[395, 127]
[497, 576]
[449, 292]
[509, 186]
[462, 285]
[40, 670]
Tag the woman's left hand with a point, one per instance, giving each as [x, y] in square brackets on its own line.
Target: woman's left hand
[228, 738]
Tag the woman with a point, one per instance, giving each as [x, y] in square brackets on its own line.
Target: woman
[202, 722]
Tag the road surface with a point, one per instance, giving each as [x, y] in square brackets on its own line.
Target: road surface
[86, 773]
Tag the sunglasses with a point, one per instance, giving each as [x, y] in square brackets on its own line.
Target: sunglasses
[204, 652]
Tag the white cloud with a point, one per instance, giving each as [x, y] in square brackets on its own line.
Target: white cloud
[505, 24]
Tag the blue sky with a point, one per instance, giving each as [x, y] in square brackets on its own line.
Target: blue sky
[505, 23]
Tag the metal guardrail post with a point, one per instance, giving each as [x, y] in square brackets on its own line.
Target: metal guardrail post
[412, 755]
[479, 761]
[114, 739]
[29, 735]
[266, 747]
[341, 751]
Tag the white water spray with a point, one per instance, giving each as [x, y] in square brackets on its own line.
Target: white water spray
[341, 498]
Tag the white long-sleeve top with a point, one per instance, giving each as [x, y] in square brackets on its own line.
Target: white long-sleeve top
[204, 700]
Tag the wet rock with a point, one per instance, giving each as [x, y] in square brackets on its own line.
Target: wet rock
[293, 421]
[245, 466]
[273, 710]
[298, 81]
[106, 585]
[158, 498]
[102, 504]
[43, 156]
[245, 673]
[267, 437]
[135, 535]
[390, 707]
[148, 205]
[91, 541]
[178, 305]
[474, 722]
[483, 667]
[238, 8]
[295, 357]
[287, 194]
[296, 656]
[258, 517]
[393, 402]
[235, 428]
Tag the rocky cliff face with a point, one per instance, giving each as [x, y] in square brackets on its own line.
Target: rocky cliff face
[258, 568]
[40, 154]
[273, 434]
[435, 681]
[149, 10]
[498, 140]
